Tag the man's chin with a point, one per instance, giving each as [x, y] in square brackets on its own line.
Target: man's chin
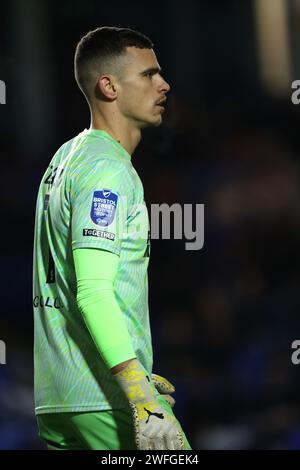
[158, 121]
[153, 123]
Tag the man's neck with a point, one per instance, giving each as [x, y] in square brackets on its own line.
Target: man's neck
[127, 137]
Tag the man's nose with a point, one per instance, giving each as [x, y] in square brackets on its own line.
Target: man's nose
[165, 87]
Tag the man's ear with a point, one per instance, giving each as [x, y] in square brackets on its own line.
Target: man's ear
[107, 86]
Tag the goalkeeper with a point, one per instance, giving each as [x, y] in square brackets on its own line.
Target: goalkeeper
[94, 387]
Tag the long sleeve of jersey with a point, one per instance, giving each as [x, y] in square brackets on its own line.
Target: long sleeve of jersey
[95, 272]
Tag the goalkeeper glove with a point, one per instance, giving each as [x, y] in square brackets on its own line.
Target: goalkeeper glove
[164, 387]
[155, 428]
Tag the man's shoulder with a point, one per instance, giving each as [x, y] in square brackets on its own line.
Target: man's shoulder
[94, 163]
[87, 159]
[81, 154]
[85, 149]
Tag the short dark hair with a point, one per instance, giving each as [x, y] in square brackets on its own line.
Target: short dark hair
[98, 50]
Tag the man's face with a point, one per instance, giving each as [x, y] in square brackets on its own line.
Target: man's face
[141, 88]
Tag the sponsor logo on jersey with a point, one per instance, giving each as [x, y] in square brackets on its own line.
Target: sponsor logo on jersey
[91, 232]
[103, 207]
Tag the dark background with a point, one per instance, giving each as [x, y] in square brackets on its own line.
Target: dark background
[223, 318]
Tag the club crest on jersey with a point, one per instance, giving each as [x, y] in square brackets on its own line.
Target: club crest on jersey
[103, 208]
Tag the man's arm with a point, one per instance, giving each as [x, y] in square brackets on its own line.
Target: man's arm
[95, 272]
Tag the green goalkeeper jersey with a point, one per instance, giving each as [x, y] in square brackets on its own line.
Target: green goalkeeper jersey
[90, 196]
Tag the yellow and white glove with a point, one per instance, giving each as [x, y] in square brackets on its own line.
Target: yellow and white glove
[155, 429]
[164, 387]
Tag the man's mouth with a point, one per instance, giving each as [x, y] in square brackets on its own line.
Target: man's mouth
[161, 102]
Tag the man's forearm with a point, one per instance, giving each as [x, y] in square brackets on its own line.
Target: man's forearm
[120, 367]
[95, 272]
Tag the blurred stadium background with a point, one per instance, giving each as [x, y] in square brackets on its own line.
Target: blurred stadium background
[223, 318]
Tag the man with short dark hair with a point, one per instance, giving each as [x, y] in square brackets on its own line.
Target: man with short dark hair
[94, 387]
